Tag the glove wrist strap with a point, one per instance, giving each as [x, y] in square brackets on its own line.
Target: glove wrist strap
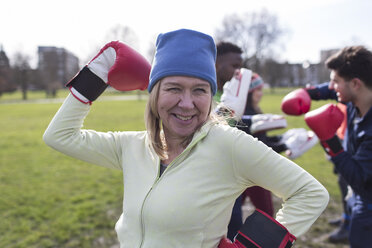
[313, 93]
[261, 230]
[332, 146]
[88, 84]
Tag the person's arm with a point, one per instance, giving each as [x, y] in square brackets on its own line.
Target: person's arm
[258, 123]
[304, 198]
[355, 169]
[271, 141]
[321, 92]
[275, 143]
[65, 134]
[112, 66]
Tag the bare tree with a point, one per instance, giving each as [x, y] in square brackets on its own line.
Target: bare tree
[273, 73]
[5, 74]
[124, 34]
[118, 32]
[151, 49]
[21, 69]
[6, 85]
[256, 33]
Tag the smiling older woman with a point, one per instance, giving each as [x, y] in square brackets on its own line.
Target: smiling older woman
[183, 174]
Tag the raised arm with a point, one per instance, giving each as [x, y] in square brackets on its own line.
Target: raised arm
[116, 65]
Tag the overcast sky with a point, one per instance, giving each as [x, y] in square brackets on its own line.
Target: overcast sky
[81, 25]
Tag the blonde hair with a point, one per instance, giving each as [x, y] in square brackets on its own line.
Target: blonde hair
[154, 124]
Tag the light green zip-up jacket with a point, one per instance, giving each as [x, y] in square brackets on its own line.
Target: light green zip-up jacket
[190, 204]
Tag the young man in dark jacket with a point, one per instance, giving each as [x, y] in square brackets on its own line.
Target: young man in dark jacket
[351, 79]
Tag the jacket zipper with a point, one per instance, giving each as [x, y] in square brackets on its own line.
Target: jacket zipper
[143, 203]
[183, 154]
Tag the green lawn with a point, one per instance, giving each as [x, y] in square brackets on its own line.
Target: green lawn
[51, 200]
[35, 96]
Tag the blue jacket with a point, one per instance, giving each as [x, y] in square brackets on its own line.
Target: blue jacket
[355, 164]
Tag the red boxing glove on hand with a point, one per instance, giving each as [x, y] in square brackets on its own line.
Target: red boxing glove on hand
[122, 68]
[325, 121]
[260, 230]
[116, 65]
[296, 102]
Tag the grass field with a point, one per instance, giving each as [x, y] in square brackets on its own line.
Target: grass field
[51, 200]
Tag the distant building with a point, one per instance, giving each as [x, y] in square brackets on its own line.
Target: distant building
[56, 65]
[324, 72]
[325, 54]
[300, 75]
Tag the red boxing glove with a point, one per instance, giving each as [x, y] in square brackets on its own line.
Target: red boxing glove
[296, 102]
[325, 121]
[226, 243]
[129, 71]
[260, 230]
[116, 65]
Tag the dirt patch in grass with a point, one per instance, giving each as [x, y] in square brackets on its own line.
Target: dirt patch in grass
[317, 236]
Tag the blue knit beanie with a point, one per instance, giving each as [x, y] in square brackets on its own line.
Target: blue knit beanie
[184, 53]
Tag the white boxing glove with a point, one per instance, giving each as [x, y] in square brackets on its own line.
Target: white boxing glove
[235, 93]
[266, 122]
[298, 141]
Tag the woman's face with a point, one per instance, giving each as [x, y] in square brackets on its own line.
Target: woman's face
[183, 105]
[257, 95]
